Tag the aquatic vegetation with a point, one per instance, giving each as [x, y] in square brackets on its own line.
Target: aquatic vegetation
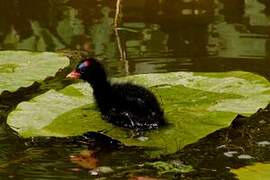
[195, 104]
[22, 68]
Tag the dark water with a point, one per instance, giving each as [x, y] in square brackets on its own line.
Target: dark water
[145, 36]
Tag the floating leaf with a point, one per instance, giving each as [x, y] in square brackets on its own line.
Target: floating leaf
[193, 103]
[257, 171]
[22, 68]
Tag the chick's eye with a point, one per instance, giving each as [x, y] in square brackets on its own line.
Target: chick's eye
[81, 68]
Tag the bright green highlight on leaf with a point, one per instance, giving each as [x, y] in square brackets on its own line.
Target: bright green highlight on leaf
[258, 171]
[22, 68]
[195, 105]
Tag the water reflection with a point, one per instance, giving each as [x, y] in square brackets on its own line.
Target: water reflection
[179, 32]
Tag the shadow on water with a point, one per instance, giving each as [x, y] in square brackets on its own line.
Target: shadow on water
[150, 36]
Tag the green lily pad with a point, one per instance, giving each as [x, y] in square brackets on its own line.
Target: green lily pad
[195, 105]
[256, 171]
[22, 68]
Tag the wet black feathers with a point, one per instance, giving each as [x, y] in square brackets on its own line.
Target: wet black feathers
[123, 104]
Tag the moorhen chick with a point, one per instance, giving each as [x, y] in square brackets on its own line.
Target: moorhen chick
[122, 104]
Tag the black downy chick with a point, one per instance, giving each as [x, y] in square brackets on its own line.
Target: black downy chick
[122, 104]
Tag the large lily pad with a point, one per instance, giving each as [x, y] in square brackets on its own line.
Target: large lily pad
[22, 68]
[195, 104]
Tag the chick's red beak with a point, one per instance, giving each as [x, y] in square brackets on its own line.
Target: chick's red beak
[73, 75]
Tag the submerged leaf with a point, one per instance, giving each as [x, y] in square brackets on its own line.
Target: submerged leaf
[167, 167]
[86, 159]
[193, 108]
[22, 68]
